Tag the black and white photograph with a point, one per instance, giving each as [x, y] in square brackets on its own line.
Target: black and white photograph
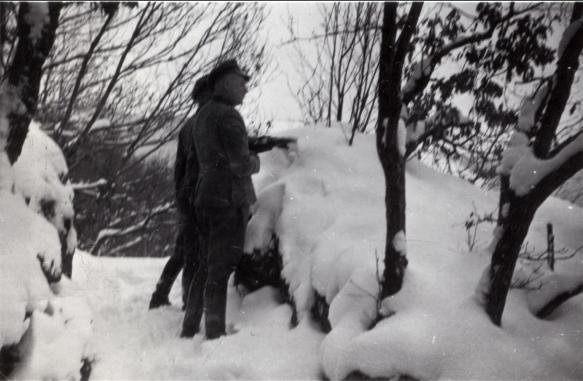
[321, 191]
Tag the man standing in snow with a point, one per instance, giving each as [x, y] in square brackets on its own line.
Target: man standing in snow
[186, 251]
[223, 196]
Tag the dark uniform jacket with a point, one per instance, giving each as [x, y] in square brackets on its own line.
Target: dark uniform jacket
[185, 167]
[225, 163]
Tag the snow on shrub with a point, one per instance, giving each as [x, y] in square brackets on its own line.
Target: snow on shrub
[40, 176]
[25, 239]
[51, 331]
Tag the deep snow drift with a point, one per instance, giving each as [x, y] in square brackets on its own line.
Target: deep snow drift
[331, 225]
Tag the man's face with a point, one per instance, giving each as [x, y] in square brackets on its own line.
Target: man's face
[236, 88]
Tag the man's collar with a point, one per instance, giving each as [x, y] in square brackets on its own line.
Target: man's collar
[220, 98]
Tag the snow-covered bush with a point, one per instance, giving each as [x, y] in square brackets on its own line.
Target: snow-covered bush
[49, 331]
[41, 177]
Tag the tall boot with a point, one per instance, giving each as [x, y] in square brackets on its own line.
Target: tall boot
[194, 305]
[160, 295]
[215, 309]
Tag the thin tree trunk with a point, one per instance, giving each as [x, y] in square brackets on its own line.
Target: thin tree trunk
[25, 72]
[392, 57]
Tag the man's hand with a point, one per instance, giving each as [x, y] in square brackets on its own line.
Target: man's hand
[266, 143]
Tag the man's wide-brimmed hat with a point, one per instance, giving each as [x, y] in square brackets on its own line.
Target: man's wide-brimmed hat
[201, 85]
[222, 68]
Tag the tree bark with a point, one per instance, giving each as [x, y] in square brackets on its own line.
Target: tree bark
[392, 57]
[516, 212]
[521, 211]
[556, 302]
[25, 72]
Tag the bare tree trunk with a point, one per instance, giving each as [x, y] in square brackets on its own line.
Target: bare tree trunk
[520, 214]
[392, 56]
[25, 72]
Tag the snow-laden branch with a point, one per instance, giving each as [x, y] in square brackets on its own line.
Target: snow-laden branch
[556, 289]
[106, 234]
[91, 185]
[530, 170]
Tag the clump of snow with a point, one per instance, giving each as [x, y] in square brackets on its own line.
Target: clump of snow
[517, 147]
[415, 130]
[400, 243]
[101, 124]
[385, 130]
[530, 170]
[402, 137]
[54, 345]
[419, 70]
[36, 18]
[529, 108]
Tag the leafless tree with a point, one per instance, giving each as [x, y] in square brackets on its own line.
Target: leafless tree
[116, 87]
[338, 83]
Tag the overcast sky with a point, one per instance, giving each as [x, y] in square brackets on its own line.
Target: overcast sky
[275, 98]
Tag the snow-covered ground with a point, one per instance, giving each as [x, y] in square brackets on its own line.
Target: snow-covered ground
[325, 202]
[130, 342]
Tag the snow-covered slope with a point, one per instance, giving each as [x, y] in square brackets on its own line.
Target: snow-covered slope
[325, 201]
[331, 227]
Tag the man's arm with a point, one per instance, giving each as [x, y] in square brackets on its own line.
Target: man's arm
[234, 138]
[267, 143]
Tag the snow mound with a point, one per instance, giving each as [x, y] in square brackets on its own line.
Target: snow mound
[326, 205]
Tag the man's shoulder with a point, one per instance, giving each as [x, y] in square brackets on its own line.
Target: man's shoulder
[221, 109]
[187, 126]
